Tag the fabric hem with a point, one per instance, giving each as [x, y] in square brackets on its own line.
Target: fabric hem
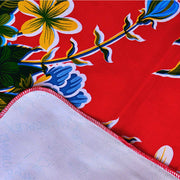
[97, 123]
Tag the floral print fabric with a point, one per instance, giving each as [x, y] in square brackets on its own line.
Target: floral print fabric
[78, 49]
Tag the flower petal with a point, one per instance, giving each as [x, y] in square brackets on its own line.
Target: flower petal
[4, 19]
[59, 75]
[31, 26]
[64, 24]
[29, 8]
[47, 37]
[79, 100]
[169, 12]
[46, 4]
[151, 5]
[161, 7]
[161, 10]
[165, 154]
[59, 9]
[73, 84]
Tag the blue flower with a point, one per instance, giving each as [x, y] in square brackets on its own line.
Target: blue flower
[59, 75]
[79, 99]
[158, 10]
[68, 82]
[6, 31]
[73, 84]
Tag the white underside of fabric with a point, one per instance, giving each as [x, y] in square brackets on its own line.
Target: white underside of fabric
[42, 138]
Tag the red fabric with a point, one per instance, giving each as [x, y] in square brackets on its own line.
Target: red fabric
[147, 105]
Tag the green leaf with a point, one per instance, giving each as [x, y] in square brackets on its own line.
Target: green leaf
[4, 54]
[128, 23]
[8, 6]
[14, 78]
[5, 99]
[24, 83]
[26, 70]
[73, 49]
[11, 70]
[8, 31]
[175, 70]
[132, 36]
[15, 53]
[79, 62]
[19, 52]
[44, 68]
[4, 19]
[46, 56]
[141, 16]
[9, 67]
[6, 80]
[99, 36]
[107, 54]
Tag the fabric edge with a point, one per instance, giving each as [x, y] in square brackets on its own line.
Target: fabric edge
[94, 121]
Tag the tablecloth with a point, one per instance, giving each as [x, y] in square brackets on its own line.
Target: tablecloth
[116, 61]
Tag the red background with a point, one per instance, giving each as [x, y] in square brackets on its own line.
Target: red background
[148, 106]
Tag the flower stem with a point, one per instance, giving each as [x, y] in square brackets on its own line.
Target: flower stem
[86, 52]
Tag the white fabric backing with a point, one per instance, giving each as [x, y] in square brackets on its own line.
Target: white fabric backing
[42, 138]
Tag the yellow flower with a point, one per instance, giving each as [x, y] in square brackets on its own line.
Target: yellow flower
[49, 18]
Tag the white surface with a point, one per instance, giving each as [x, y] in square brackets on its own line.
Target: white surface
[41, 138]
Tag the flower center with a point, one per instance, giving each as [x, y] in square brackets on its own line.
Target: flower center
[45, 17]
